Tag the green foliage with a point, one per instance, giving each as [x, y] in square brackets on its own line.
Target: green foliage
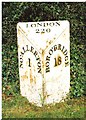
[77, 70]
[14, 12]
[10, 77]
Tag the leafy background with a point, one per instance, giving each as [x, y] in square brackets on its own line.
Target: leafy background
[14, 12]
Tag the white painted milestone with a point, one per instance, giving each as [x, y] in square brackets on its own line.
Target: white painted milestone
[44, 61]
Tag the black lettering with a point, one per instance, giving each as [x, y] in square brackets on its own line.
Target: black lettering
[59, 60]
[39, 70]
[66, 58]
[35, 53]
[42, 30]
[38, 58]
[39, 67]
[29, 62]
[39, 24]
[48, 30]
[32, 49]
[39, 64]
[27, 48]
[47, 63]
[22, 54]
[57, 23]
[45, 24]
[48, 58]
[21, 58]
[47, 67]
[33, 25]
[55, 47]
[66, 64]
[55, 62]
[65, 52]
[59, 46]
[21, 62]
[50, 51]
[37, 31]
[63, 49]
[26, 25]
[51, 24]
[24, 49]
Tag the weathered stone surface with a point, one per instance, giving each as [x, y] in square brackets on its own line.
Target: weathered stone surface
[44, 60]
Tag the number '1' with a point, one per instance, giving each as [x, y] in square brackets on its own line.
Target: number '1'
[29, 62]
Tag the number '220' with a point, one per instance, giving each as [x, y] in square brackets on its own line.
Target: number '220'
[43, 30]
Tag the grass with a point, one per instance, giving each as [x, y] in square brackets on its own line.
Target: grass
[19, 107]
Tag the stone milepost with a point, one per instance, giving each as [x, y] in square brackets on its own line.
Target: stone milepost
[44, 61]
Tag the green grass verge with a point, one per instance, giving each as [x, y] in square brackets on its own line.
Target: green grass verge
[19, 107]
